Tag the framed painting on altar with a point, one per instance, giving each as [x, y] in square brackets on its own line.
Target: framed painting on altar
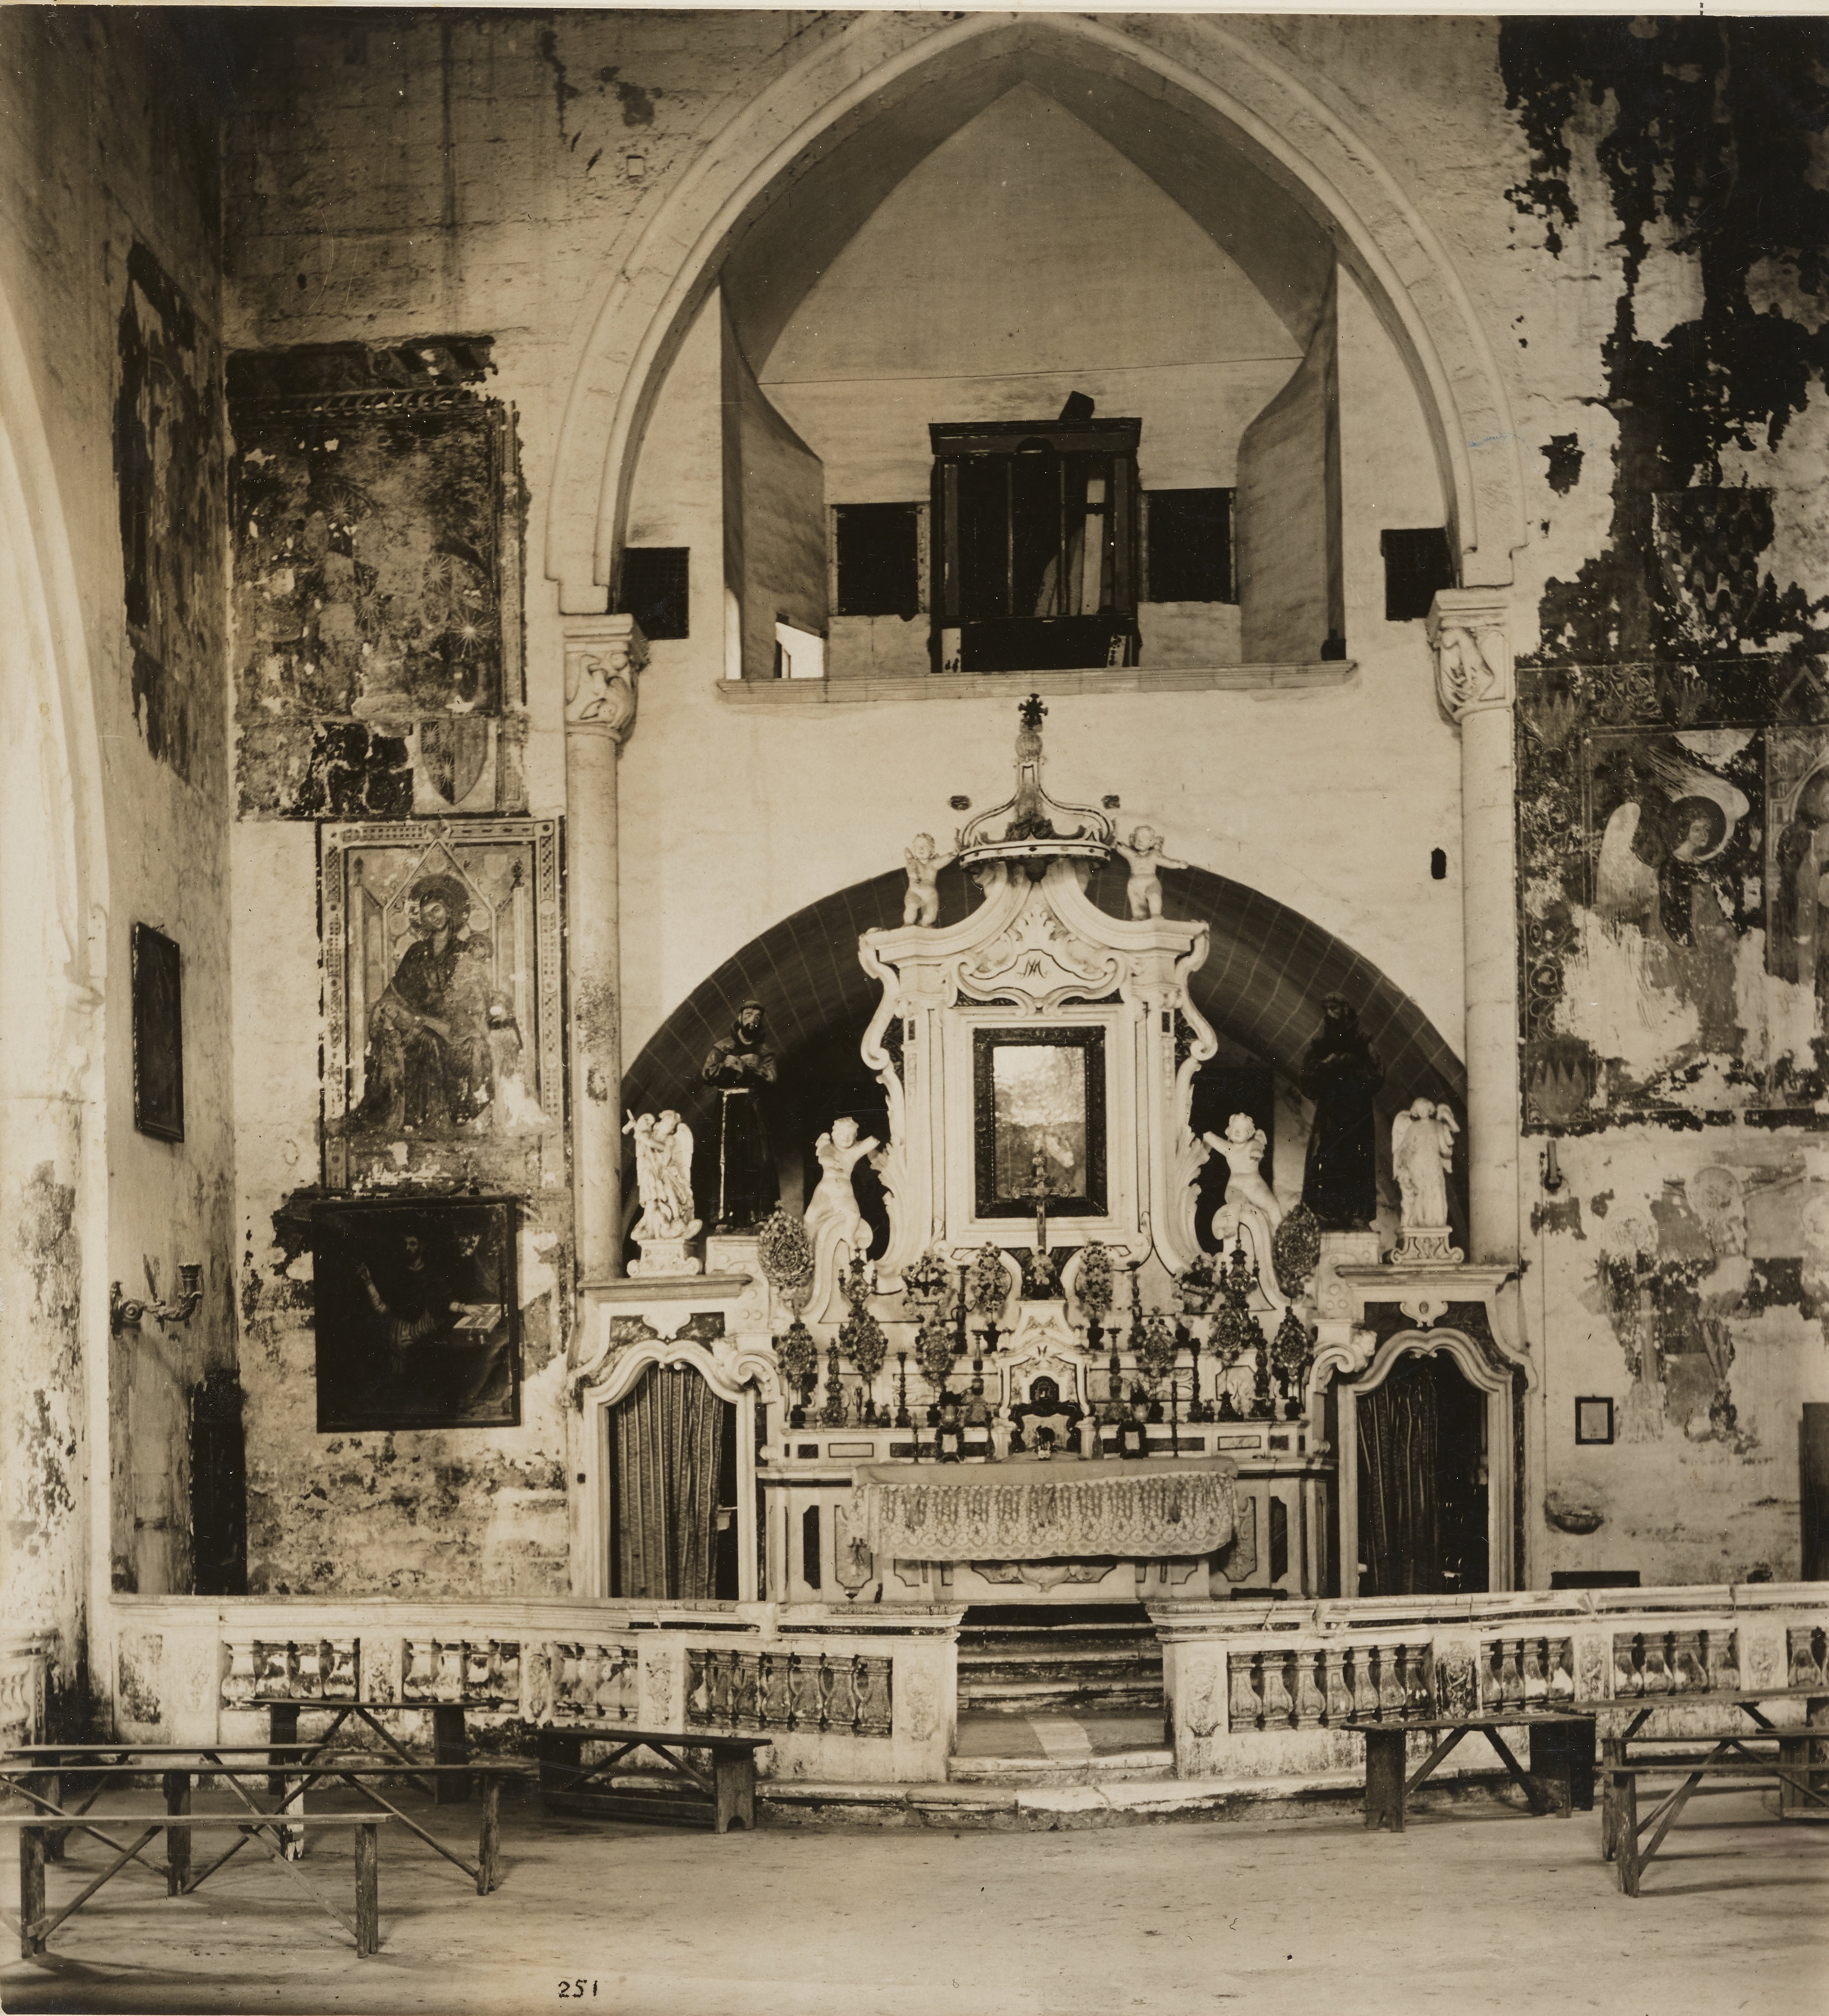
[1039, 1120]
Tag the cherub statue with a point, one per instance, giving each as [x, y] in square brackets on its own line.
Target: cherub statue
[663, 1174]
[1242, 1149]
[1144, 853]
[834, 1201]
[1422, 1152]
[921, 905]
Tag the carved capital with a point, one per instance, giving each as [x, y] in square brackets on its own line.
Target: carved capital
[1468, 633]
[603, 659]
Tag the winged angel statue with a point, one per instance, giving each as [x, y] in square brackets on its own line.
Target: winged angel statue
[663, 1175]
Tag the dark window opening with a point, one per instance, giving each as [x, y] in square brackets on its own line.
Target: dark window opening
[1035, 545]
[654, 590]
[1187, 546]
[1438, 864]
[877, 549]
[1416, 563]
[809, 1546]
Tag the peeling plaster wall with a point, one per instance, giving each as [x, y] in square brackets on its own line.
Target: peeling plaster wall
[1672, 721]
[110, 257]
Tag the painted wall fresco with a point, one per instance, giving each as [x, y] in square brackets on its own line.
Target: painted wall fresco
[377, 584]
[168, 468]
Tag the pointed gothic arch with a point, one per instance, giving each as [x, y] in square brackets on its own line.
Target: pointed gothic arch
[1199, 79]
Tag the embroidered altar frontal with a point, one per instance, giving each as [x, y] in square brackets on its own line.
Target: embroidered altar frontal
[1027, 1510]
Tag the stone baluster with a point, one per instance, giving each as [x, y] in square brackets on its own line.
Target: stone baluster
[274, 1665]
[1628, 1679]
[1688, 1674]
[1245, 1709]
[794, 1697]
[1721, 1654]
[310, 1680]
[1806, 1660]
[342, 1674]
[1657, 1669]
[574, 1671]
[1278, 1709]
[1364, 1690]
[507, 1671]
[1418, 1687]
[1561, 1669]
[879, 1708]
[420, 1678]
[1531, 1656]
[240, 1680]
[447, 1685]
[1390, 1682]
[1339, 1694]
[1311, 1704]
[745, 1695]
[698, 1684]
[476, 1675]
[1511, 1686]
[824, 1681]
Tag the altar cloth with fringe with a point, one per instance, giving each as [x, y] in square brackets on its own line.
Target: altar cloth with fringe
[1029, 1509]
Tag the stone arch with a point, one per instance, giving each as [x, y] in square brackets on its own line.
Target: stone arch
[53, 1173]
[1199, 73]
[1261, 987]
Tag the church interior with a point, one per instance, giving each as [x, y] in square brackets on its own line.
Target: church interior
[938, 885]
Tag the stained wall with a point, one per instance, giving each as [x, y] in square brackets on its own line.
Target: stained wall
[110, 259]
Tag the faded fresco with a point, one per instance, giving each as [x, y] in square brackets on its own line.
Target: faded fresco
[376, 603]
[443, 1062]
[1677, 898]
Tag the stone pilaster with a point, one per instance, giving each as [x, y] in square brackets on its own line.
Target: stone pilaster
[1467, 629]
[603, 658]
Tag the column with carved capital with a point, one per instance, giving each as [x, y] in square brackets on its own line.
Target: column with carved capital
[1468, 633]
[603, 658]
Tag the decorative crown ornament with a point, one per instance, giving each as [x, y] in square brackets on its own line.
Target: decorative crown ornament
[1029, 826]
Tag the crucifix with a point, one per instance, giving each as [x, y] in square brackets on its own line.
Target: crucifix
[1039, 1282]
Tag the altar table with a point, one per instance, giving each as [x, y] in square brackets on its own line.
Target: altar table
[1030, 1508]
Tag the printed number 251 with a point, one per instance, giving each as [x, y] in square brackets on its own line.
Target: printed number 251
[575, 1989]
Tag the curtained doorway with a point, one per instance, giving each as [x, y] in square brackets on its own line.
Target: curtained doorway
[1422, 1481]
[673, 1528]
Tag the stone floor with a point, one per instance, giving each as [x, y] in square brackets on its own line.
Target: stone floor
[1476, 1908]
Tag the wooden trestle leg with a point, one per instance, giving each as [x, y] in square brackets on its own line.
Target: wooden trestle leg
[1384, 1757]
[177, 1839]
[31, 1890]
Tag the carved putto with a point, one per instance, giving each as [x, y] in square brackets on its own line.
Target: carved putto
[834, 1201]
[921, 905]
[1144, 856]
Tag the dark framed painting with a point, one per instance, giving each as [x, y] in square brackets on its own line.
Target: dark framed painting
[1593, 1418]
[1039, 1120]
[443, 1050]
[418, 1321]
[158, 1034]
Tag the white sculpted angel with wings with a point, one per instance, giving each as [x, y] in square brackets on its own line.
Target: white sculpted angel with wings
[1422, 1151]
[663, 1174]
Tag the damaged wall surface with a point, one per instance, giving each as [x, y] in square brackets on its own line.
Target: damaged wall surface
[1674, 733]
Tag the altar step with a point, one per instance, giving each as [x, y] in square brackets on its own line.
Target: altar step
[1053, 1750]
[1077, 1659]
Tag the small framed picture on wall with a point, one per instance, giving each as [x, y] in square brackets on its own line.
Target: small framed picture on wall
[1593, 1418]
[158, 1035]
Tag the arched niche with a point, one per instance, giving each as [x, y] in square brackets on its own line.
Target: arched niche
[1262, 162]
[1501, 1380]
[1261, 987]
[628, 1348]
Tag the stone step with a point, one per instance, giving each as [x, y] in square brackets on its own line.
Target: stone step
[1128, 1766]
[1079, 1666]
[1054, 1697]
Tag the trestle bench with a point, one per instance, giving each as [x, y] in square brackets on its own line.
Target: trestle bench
[1632, 1852]
[1561, 1776]
[36, 1923]
[731, 1783]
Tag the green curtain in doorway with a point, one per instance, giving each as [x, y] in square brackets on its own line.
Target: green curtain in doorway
[1400, 1529]
[669, 1441]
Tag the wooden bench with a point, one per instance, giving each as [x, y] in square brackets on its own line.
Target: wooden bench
[1627, 1848]
[450, 1739]
[1562, 1759]
[304, 1765]
[731, 1783]
[36, 1924]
